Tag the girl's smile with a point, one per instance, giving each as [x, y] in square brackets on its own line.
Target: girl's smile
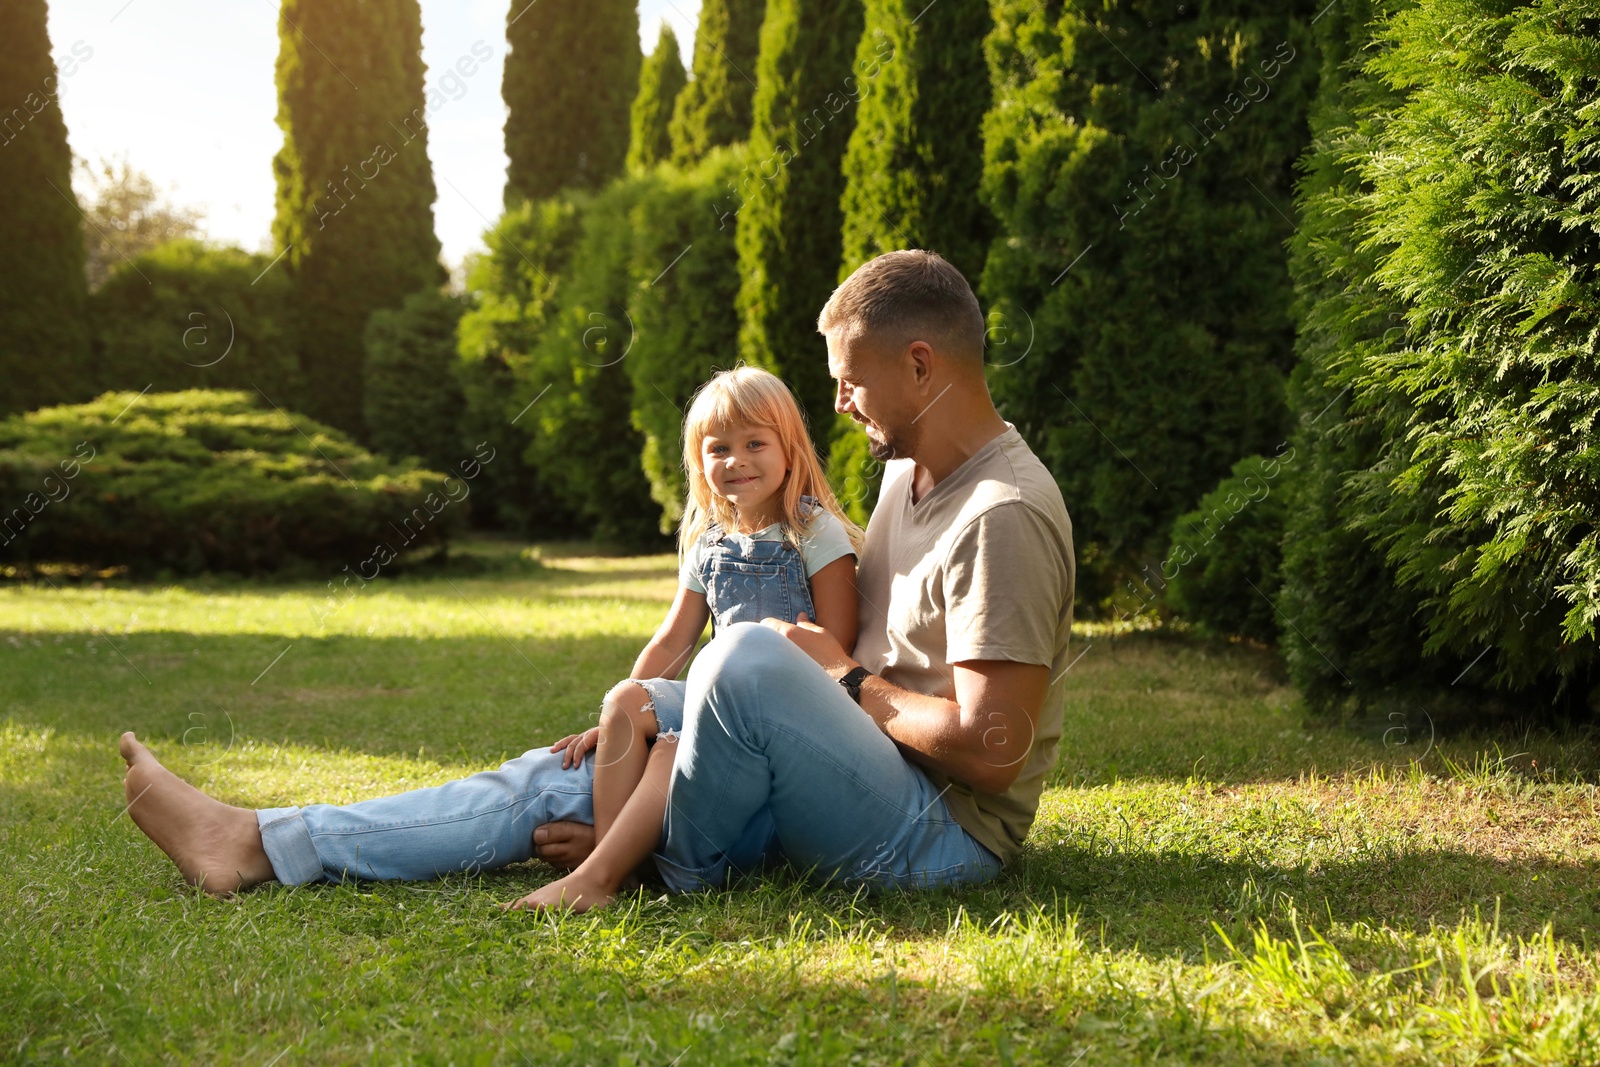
[746, 466]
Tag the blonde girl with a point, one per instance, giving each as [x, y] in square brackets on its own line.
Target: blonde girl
[762, 537]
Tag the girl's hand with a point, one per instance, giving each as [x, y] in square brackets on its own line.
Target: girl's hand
[577, 746]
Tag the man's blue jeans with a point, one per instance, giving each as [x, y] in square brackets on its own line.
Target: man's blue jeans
[775, 760]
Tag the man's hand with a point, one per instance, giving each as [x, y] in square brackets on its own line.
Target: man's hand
[577, 746]
[815, 642]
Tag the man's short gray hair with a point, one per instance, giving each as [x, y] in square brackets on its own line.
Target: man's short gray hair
[908, 296]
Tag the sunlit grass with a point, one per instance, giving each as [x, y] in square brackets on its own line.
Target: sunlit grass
[1212, 879]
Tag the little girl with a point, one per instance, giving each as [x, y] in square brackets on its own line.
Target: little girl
[762, 537]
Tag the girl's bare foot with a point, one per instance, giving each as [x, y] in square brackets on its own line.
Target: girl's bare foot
[215, 845]
[575, 892]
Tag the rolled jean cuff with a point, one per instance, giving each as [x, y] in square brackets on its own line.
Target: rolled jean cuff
[756, 848]
[288, 846]
[681, 879]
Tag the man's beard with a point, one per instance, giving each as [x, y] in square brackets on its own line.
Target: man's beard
[893, 445]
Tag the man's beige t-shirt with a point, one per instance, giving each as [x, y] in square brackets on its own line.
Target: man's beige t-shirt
[981, 568]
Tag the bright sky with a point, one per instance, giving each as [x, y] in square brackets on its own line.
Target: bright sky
[184, 89]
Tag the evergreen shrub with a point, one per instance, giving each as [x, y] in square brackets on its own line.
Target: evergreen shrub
[1468, 151]
[1221, 569]
[186, 315]
[207, 480]
[1139, 161]
[413, 397]
[685, 277]
[514, 287]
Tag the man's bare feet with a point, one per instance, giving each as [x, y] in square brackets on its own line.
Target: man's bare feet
[215, 845]
[563, 844]
[572, 893]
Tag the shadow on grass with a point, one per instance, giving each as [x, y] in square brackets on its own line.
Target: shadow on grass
[556, 574]
[1166, 902]
[1144, 711]
[1164, 707]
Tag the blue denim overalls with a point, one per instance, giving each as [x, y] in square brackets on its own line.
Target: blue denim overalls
[745, 581]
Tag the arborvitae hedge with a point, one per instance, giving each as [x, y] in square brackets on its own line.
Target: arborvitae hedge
[685, 278]
[661, 79]
[204, 481]
[544, 353]
[1347, 630]
[787, 198]
[855, 476]
[714, 108]
[596, 341]
[515, 287]
[44, 340]
[1139, 162]
[355, 188]
[570, 79]
[583, 443]
[915, 161]
[189, 316]
[1479, 392]
[1222, 567]
[913, 167]
[413, 398]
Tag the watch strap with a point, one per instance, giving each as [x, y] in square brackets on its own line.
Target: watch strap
[852, 682]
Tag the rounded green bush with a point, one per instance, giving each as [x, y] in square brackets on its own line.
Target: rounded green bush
[206, 480]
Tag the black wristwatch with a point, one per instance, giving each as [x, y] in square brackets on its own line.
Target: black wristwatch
[852, 682]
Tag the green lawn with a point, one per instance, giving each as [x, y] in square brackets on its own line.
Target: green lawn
[1211, 879]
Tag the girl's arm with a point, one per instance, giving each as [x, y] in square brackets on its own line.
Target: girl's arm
[663, 657]
[833, 590]
[669, 650]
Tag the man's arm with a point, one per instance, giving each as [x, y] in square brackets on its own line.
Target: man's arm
[982, 737]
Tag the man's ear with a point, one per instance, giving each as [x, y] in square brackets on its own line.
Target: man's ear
[920, 355]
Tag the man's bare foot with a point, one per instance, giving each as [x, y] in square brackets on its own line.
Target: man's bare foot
[215, 845]
[575, 892]
[563, 844]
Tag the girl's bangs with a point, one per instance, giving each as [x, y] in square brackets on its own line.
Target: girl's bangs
[735, 405]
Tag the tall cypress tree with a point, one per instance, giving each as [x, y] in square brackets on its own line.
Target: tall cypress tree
[714, 108]
[661, 79]
[570, 79]
[1139, 162]
[355, 188]
[913, 167]
[915, 161]
[44, 336]
[789, 218]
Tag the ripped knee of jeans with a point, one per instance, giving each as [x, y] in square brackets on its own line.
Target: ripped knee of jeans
[649, 705]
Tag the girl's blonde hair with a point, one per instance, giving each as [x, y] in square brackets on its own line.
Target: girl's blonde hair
[748, 396]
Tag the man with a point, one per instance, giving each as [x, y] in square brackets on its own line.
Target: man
[919, 760]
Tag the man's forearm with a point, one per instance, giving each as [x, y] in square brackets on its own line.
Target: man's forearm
[928, 729]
